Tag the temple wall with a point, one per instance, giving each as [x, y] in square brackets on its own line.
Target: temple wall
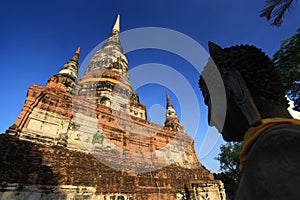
[37, 171]
[69, 192]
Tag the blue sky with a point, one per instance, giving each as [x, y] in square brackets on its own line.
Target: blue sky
[38, 37]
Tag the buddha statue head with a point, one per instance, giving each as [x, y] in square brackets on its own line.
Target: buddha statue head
[253, 90]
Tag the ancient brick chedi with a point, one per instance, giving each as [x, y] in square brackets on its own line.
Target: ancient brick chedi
[89, 138]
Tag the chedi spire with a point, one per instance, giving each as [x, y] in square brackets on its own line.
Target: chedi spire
[110, 57]
[114, 39]
[169, 104]
[71, 68]
[171, 116]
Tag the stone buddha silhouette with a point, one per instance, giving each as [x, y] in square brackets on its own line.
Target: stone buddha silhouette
[256, 113]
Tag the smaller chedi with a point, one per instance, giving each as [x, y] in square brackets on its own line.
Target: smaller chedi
[89, 138]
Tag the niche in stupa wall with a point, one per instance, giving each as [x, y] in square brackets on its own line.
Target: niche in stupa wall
[35, 125]
[47, 123]
[137, 112]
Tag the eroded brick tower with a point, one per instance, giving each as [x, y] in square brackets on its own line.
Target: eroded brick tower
[90, 139]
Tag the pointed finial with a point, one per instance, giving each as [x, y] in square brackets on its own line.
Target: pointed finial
[168, 100]
[78, 50]
[117, 24]
[76, 55]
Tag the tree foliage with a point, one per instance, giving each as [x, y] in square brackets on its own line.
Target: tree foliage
[275, 10]
[229, 158]
[287, 61]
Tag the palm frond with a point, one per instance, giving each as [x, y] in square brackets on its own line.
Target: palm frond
[270, 5]
[275, 9]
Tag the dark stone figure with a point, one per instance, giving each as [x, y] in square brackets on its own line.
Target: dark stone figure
[256, 112]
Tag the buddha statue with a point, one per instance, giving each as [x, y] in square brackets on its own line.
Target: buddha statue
[256, 113]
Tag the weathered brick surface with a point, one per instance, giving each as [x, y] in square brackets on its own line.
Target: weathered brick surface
[34, 164]
[22, 162]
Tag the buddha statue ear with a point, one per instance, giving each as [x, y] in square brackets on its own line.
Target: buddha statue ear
[236, 85]
[215, 50]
